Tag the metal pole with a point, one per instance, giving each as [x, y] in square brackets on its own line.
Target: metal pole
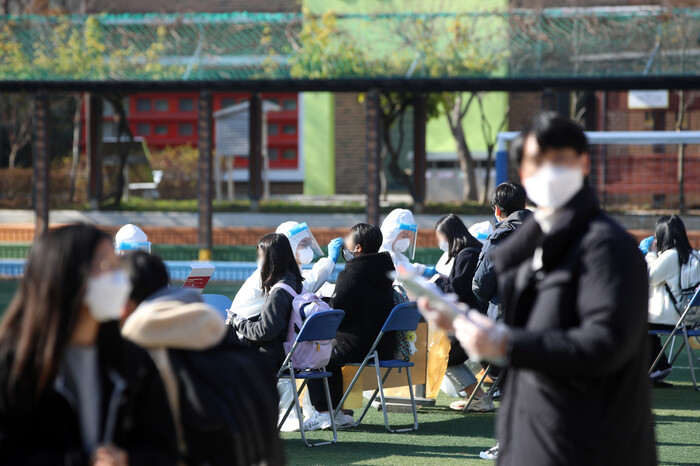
[419, 156]
[373, 148]
[41, 164]
[204, 179]
[255, 159]
[93, 145]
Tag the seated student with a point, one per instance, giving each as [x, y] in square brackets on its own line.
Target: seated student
[364, 291]
[269, 331]
[673, 266]
[250, 298]
[189, 343]
[71, 390]
[464, 249]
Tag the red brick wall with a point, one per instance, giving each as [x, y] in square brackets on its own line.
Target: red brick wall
[349, 146]
[183, 6]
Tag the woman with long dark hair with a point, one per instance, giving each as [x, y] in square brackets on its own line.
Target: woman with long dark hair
[673, 267]
[71, 390]
[454, 238]
[277, 264]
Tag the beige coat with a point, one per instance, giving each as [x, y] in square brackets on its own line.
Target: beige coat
[173, 324]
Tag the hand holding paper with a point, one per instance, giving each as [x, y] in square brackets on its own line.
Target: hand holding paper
[482, 338]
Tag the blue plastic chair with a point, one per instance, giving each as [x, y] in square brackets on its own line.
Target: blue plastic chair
[320, 326]
[681, 330]
[404, 317]
[219, 302]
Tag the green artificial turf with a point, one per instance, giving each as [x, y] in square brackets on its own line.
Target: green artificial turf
[448, 437]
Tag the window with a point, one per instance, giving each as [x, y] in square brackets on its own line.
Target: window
[162, 105]
[289, 129]
[107, 108]
[272, 129]
[289, 104]
[109, 129]
[143, 129]
[161, 129]
[228, 102]
[272, 154]
[185, 105]
[289, 154]
[143, 105]
[273, 100]
[186, 129]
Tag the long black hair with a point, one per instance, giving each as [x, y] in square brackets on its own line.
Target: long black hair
[670, 233]
[42, 316]
[457, 234]
[278, 260]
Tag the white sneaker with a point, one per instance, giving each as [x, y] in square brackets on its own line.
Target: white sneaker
[481, 405]
[343, 420]
[322, 421]
[317, 422]
[490, 454]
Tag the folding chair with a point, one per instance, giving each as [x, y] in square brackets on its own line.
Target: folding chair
[219, 302]
[403, 317]
[682, 331]
[320, 326]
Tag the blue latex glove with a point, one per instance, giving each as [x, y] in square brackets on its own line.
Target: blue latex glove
[334, 248]
[429, 272]
[645, 244]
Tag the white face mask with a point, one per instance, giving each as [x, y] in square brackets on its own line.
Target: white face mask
[305, 255]
[444, 245]
[553, 186]
[348, 255]
[259, 263]
[106, 295]
[402, 244]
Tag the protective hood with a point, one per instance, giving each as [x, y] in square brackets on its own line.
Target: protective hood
[175, 319]
[300, 237]
[129, 238]
[397, 222]
[481, 231]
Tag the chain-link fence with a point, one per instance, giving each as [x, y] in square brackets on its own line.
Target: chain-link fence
[574, 42]
[647, 177]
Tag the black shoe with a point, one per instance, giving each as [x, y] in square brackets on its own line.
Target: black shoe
[497, 394]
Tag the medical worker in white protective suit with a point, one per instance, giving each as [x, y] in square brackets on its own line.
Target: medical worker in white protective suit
[249, 300]
[131, 238]
[400, 232]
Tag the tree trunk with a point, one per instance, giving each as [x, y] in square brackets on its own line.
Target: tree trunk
[466, 164]
[455, 115]
[395, 151]
[76, 145]
[123, 147]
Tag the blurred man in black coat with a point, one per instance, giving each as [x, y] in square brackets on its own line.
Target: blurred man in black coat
[574, 290]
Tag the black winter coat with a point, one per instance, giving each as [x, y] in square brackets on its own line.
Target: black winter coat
[269, 331]
[461, 276]
[577, 391]
[484, 284]
[47, 432]
[364, 291]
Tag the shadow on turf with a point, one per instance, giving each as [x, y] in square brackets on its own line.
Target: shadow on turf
[353, 446]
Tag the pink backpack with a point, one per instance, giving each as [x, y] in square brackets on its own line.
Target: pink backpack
[309, 354]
